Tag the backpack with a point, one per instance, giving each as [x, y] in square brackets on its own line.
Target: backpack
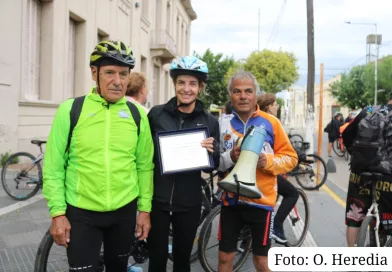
[328, 127]
[370, 148]
[77, 109]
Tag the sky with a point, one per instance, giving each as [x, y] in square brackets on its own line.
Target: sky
[231, 27]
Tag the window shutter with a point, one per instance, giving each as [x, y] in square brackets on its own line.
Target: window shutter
[69, 91]
[32, 49]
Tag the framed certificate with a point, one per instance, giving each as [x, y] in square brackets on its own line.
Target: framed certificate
[180, 151]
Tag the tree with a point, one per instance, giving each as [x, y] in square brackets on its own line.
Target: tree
[356, 88]
[275, 71]
[350, 90]
[216, 90]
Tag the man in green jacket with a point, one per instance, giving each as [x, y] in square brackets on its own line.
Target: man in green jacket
[95, 187]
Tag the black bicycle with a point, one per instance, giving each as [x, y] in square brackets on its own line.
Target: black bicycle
[371, 234]
[311, 172]
[21, 175]
[295, 139]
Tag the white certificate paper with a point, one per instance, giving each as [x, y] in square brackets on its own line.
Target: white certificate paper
[183, 152]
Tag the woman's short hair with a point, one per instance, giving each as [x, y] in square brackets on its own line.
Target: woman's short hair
[265, 100]
[136, 83]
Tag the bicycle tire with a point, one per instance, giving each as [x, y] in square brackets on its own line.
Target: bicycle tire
[305, 223]
[296, 140]
[366, 225]
[205, 235]
[321, 182]
[336, 149]
[41, 258]
[8, 163]
[346, 154]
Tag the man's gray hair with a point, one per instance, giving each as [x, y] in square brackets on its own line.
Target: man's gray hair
[243, 75]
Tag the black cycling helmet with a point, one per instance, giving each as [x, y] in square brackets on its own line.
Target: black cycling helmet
[112, 51]
[139, 251]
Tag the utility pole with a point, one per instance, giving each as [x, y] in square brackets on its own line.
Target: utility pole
[310, 88]
[258, 36]
[320, 130]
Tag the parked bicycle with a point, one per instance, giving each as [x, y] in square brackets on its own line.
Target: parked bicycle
[296, 227]
[311, 171]
[370, 233]
[21, 175]
[295, 139]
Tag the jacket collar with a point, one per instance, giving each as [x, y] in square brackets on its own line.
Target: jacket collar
[171, 106]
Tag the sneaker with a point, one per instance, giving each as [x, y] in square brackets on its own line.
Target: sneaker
[132, 268]
[278, 235]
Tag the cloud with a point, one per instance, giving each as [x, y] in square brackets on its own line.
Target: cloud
[231, 27]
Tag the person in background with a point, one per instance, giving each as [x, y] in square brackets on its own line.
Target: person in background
[267, 103]
[137, 91]
[334, 131]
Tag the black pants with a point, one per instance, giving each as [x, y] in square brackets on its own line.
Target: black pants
[184, 227]
[89, 229]
[290, 197]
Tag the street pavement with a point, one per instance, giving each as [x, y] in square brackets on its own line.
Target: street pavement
[23, 224]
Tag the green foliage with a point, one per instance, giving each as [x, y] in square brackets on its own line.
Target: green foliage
[280, 102]
[216, 90]
[356, 88]
[5, 156]
[274, 70]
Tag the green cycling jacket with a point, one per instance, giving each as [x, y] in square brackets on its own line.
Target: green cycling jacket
[108, 165]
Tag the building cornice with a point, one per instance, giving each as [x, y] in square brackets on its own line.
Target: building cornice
[188, 8]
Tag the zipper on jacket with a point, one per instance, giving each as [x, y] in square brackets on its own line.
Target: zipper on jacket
[107, 158]
[171, 197]
[174, 181]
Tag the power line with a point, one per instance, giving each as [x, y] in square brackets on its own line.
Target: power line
[275, 28]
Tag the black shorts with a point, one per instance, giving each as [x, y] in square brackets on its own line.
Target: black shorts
[234, 218]
[332, 139]
[359, 200]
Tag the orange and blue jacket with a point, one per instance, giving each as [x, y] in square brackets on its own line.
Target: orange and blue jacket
[281, 156]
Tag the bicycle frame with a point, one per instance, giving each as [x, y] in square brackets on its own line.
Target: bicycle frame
[373, 212]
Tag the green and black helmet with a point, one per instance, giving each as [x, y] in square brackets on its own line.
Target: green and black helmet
[112, 51]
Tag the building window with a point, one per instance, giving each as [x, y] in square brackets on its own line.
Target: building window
[145, 8]
[168, 18]
[70, 82]
[32, 50]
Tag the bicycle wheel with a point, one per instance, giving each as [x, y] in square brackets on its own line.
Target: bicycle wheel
[53, 258]
[21, 176]
[336, 148]
[208, 246]
[296, 224]
[367, 236]
[346, 154]
[311, 173]
[50, 257]
[296, 140]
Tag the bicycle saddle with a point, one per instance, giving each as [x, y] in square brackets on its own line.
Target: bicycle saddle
[38, 142]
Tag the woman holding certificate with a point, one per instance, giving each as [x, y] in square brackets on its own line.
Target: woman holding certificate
[186, 141]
